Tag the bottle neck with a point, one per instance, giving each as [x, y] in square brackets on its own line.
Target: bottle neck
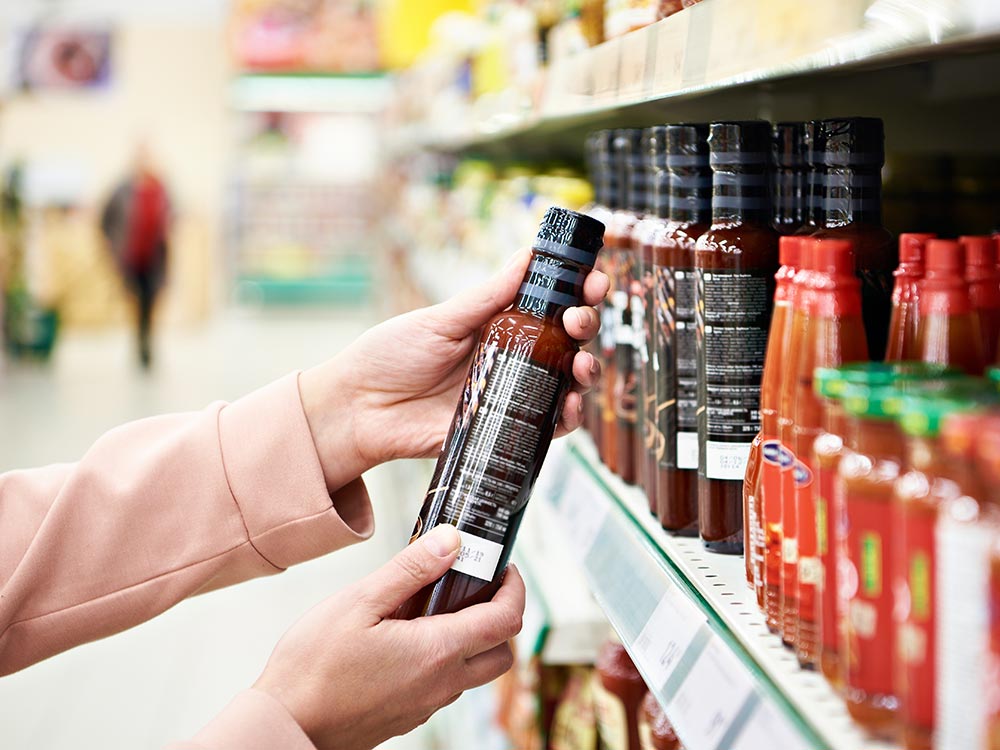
[552, 284]
[660, 204]
[690, 199]
[842, 195]
[741, 193]
[789, 193]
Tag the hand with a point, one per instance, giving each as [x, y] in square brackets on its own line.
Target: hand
[393, 392]
[352, 677]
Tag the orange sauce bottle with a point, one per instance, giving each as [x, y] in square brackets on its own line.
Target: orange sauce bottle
[984, 289]
[767, 544]
[735, 262]
[948, 332]
[690, 215]
[833, 334]
[905, 298]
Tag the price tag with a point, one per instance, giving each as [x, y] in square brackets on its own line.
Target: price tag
[583, 509]
[710, 699]
[607, 61]
[666, 636]
[768, 728]
[638, 49]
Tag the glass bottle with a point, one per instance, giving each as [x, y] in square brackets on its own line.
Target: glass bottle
[618, 691]
[655, 730]
[834, 334]
[846, 157]
[690, 215]
[613, 307]
[948, 332]
[902, 344]
[519, 377]
[790, 172]
[768, 489]
[984, 289]
[735, 262]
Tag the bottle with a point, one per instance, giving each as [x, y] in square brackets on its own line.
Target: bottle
[627, 146]
[834, 334]
[690, 215]
[520, 374]
[612, 308]
[984, 289]
[618, 691]
[902, 344]
[768, 488]
[948, 331]
[655, 730]
[735, 262]
[790, 171]
[846, 156]
[641, 195]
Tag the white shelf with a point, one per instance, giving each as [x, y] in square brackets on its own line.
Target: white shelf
[689, 620]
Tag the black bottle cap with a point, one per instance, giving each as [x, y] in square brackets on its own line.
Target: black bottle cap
[848, 142]
[632, 168]
[740, 143]
[607, 168]
[788, 145]
[690, 141]
[570, 235]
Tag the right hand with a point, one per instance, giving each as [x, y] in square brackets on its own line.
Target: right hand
[352, 677]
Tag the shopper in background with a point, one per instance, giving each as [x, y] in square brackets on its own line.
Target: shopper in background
[135, 222]
[171, 506]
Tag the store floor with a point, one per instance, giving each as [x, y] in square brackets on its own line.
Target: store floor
[166, 678]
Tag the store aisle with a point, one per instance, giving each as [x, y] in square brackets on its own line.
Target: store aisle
[165, 679]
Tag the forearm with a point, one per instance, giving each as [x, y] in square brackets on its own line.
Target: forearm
[159, 510]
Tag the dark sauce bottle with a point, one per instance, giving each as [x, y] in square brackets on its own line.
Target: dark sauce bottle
[520, 374]
[790, 173]
[735, 263]
[610, 173]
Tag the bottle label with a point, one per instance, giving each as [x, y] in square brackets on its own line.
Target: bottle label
[573, 725]
[612, 724]
[666, 373]
[733, 315]
[492, 455]
[686, 358]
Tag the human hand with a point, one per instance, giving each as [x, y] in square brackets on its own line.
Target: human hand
[352, 677]
[393, 392]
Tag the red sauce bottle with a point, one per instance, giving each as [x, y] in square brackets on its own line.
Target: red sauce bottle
[833, 334]
[735, 262]
[613, 307]
[948, 332]
[905, 298]
[627, 146]
[618, 691]
[846, 157]
[984, 289]
[690, 215]
[790, 173]
[655, 730]
[519, 377]
[767, 550]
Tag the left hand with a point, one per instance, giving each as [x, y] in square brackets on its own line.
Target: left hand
[392, 393]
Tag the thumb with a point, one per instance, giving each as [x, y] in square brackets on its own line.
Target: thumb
[421, 563]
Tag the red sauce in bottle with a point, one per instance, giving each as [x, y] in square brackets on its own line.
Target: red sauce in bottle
[618, 691]
[905, 298]
[607, 445]
[948, 332]
[984, 289]
[735, 262]
[519, 377]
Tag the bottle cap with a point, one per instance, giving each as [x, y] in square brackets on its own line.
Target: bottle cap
[980, 252]
[787, 145]
[912, 245]
[830, 382]
[656, 146]
[607, 165]
[740, 143]
[632, 166]
[882, 402]
[924, 410]
[789, 251]
[570, 235]
[849, 142]
[944, 258]
[993, 375]
[688, 140]
[833, 257]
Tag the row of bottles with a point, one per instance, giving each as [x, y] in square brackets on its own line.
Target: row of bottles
[694, 214]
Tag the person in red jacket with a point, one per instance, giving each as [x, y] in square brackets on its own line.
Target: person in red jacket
[136, 222]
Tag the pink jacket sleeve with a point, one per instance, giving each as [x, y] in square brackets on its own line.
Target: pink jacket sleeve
[161, 509]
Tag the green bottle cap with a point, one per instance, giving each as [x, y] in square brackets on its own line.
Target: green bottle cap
[993, 375]
[831, 382]
[880, 402]
[923, 414]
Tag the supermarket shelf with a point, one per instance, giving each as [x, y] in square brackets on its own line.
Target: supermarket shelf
[352, 94]
[689, 621]
[720, 44]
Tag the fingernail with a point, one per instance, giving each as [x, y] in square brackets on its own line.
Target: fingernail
[581, 318]
[594, 367]
[442, 540]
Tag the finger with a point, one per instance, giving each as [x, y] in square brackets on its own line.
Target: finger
[582, 323]
[418, 565]
[469, 310]
[482, 626]
[586, 371]
[572, 414]
[595, 287]
[489, 665]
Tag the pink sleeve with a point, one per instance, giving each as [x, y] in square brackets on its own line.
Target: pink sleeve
[158, 510]
[253, 721]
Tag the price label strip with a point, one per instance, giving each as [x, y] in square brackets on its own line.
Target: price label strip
[672, 638]
[582, 509]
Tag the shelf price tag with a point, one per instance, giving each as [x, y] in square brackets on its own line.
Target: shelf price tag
[666, 637]
[709, 704]
[607, 62]
[583, 510]
[768, 728]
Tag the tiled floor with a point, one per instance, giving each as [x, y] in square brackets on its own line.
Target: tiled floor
[166, 678]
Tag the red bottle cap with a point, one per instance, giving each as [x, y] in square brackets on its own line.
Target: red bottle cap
[833, 257]
[789, 253]
[944, 258]
[911, 246]
[980, 252]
